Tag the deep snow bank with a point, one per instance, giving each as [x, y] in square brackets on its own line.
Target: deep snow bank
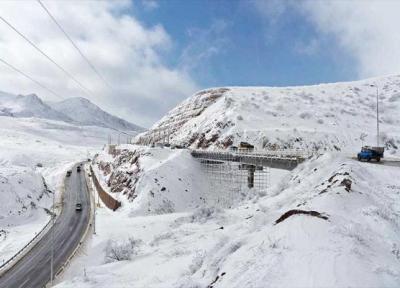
[24, 200]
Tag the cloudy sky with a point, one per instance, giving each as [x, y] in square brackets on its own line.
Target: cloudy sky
[153, 54]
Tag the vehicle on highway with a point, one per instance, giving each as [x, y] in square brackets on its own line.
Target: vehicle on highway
[69, 173]
[177, 146]
[78, 207]
[233, 148]
[78, 169]
[368, 153]
[245, 147]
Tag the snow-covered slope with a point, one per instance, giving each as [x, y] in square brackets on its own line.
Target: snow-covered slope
[350, 239]
[79, 111]
[331, 222]
[35, 153]
[85, 112]
[23, 209]
[28, 106]
[326, 116]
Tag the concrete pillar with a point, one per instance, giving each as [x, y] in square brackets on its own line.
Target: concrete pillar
[250, 176]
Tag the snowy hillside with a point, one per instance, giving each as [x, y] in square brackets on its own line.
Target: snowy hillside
[78, 111]
[311, 227]
[35, 153]
[85, 112]
[28, 106]
[326, 116]
[330, 222]
[25, 198]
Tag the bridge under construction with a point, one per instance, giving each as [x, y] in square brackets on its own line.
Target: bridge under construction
[238, 169]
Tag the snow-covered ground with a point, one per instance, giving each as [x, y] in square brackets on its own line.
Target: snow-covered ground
[77, 110]
[320, 117]
[352, 240]
[331, 222]
[34, 150]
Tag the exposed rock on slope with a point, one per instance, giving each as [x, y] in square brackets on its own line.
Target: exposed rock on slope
[122, 173]
[326, 116]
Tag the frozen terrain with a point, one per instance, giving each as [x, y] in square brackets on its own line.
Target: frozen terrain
[201, 244]
[331, 222]
[78, 111]
[85, 112]
[37, 146]
[320, 117]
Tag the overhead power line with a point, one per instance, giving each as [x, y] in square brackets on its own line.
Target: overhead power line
[30, 78]
[75, 46]
[83, 88]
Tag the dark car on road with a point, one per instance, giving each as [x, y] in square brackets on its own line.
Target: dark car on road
[69, 173]
[78, 169]
[78, 207]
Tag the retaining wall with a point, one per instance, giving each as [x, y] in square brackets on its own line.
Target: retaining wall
[107, 199]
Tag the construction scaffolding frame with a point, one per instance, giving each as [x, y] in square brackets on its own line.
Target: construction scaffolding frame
[229, 181]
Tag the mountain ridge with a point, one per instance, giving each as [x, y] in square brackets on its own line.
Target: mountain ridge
[78, 111]
[325, 116]
[84, 111]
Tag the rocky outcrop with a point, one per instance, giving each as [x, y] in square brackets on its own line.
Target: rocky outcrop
[122, 172]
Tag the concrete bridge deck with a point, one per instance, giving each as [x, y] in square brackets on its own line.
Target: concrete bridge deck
[273, 159]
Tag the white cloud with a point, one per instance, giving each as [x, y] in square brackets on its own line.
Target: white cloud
[366, 29]
[150, 4]
[127, 53]
[204, 44]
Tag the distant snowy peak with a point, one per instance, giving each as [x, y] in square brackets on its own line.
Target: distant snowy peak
[28, 106]
[325, 116]
[78, 111]
[85, 112]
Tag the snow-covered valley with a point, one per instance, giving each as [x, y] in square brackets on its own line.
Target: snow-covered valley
[319, 225]
[37, 147]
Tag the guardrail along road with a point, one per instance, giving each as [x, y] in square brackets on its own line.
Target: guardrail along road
[33, 270]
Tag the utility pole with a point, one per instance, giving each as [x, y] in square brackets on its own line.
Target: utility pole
[52, 242]
[94, 199]
[377, 113]
[377, 116]
[94, 213]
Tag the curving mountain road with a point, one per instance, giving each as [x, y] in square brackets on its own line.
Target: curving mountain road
[33, 270]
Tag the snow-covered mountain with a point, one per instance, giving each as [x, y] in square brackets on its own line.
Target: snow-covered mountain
[326, 116]
[85, 112]
[330, 222]
[28, 106]
[79, 111]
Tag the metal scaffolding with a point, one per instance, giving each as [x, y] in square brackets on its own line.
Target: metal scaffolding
[229, 181]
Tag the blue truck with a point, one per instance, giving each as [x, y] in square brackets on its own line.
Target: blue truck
[368, 153]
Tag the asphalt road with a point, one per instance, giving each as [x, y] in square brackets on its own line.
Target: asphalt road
[33, 270]
[384, 162]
